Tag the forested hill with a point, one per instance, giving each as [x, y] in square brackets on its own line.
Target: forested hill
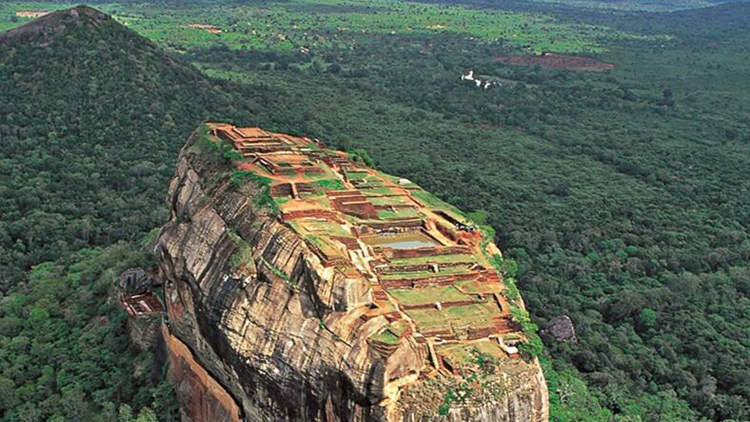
[47, 27]
[91, 118]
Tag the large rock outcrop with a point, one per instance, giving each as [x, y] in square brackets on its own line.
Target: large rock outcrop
[259, 324]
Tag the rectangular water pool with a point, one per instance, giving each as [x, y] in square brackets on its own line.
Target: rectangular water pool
[402, 241]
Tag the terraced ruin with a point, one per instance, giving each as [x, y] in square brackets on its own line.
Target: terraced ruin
[314, 288]
[429, 268]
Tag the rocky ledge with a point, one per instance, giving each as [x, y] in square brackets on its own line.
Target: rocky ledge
[260, 329]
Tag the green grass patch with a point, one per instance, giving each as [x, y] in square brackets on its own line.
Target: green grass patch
[244, 252]
[390, 200]
[378, 191]
[263, 199]
[458, 269]
[329, 184]
[399, 327]
[371, 184]
[357, 175]
[427, 295]
[386, 337]
[472, 286]
[282, 200]
[280, 274]
[323, 243]
[434, 202]
[325, 228]
[476, 315]
[469, 312]
[399, 214]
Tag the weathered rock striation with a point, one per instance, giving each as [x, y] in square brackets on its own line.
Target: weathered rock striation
[260, 329]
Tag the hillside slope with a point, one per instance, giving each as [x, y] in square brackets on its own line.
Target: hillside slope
[91, 117]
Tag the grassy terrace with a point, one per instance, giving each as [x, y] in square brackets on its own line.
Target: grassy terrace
[468, 352]
[327, 174]
[386, 307]
[434, 202]
[399, 327]
[438, 259]
[473, 286]
[391, 200]
[371, 184]
[386, 337]
[476, 315]
[320, 235]
[378, 191]
[459, 269]
[391, 178]
[323, 228]
[357, 175]
[427, 295]
[329, 184]
[399, 214]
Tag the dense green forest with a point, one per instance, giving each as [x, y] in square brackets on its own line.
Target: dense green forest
[623, 195]
[64, 354]
[92, 119]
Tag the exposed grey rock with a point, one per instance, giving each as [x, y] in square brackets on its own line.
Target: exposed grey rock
[135, 281]
[560, 329]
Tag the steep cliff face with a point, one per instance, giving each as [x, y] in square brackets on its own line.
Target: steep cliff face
[260, 329]
[201, 396]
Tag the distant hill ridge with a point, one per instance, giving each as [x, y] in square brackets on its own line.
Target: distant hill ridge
[91, 117]
[56, 22]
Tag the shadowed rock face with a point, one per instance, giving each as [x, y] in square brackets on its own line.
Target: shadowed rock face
[279, 334]
[202, 397]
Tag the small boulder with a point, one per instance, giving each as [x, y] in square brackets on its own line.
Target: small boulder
[561, 330]
[134, 281]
